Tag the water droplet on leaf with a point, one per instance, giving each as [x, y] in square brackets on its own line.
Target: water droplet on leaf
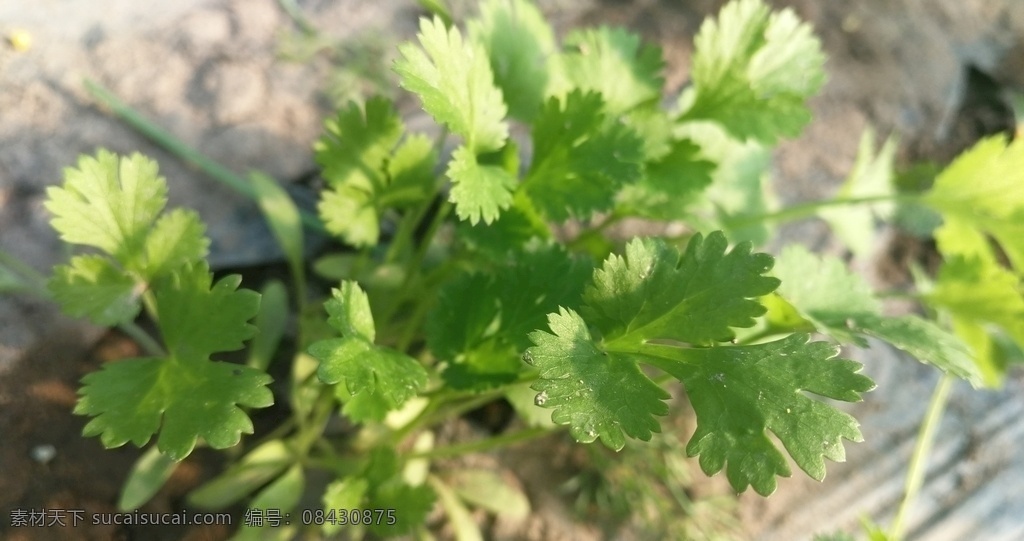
[528, 358]
[541, 398]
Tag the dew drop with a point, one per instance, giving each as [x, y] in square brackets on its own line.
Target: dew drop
[541, 399]
[528, 358]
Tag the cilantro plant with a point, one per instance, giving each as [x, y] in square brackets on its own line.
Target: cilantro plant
[485, 261]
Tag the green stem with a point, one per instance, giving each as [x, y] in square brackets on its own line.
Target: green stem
[482, 445]
[142, 338]
[803, 210]
[178, 147]
[295, 13]
[925, 439]
[595, 232]
[442, 406]
[36, 285]
[312, 428]
[33, 281]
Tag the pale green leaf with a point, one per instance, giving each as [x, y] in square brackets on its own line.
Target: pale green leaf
[369, 171]
[283, 493]
[480, 192]
[614, 62]
[347, 212]
[984, 190]
[252, 471]
[410, 173]
[739, 183]
[753, 71]
[979, 293]
[871, 177]
[176, 239]
[91, 286]
[926, 341]
[519, 42]
[825, 292]
[453, 79]
[271, 322]
[349, 311]
[147, 476]
[283, 218]
[841, 304]
[387, 489]
[110, 203]
[356, 144]
[346, 493]
[460, 520]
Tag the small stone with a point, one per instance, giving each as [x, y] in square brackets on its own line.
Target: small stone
[44, 453]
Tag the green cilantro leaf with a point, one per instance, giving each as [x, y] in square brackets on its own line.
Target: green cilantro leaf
[389, 490]
[740, 393]
[453, 78]
[871, 177]
[670, 184]
[176, 239]
[480, 191]
[91, 286]
[753, 71]
[651, 307]
[512, 230]
[348, 312]
[130, 399]
[841, 304]
[978, 293]
[411, 173]
[349, 213]
[696, 297]
[108, 202]
[199, 318]
[983, 190]
[581, 158]
[374, 379]
[739, 183]
[415, 503]
[112, 203]
[599, 394]
[367, 173]
[481, 322]
[613, 62]
[519, 42]
[356, 144]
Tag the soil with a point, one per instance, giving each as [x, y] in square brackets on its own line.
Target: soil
[209, 71]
